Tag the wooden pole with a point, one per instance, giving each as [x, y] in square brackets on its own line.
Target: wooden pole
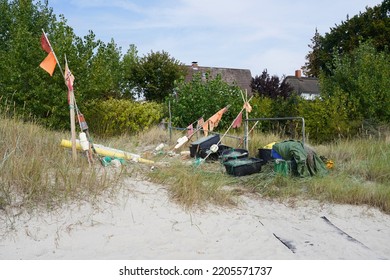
[72, 125]
[72, 106]
[246, 123]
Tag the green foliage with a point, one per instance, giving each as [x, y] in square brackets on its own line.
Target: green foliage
[119, 116]
[373, 25]
[361, 83]
[326, 119]
[203, 97]
[97, 67]
[154, 75]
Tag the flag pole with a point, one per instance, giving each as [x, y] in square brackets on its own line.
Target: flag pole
[247, 116]
[72, 118]
[71, 102]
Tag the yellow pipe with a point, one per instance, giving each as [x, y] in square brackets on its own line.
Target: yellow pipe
[105, 151]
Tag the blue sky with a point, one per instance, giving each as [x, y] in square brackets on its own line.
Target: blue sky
[246, 34]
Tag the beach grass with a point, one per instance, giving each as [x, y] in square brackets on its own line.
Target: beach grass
[36, 171]
[360, 175]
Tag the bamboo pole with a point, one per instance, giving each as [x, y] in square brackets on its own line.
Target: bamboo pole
[247, 116]
[72, 115]
[71, 103]
[72, 125]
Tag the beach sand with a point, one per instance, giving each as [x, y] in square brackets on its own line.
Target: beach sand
[141, 223]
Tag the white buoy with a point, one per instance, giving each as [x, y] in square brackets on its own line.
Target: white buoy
[84, 141]
[181, 141]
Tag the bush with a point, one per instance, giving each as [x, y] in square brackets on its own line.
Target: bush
[118, 116]
[204, 96]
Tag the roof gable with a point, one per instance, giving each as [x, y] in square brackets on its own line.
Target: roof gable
[303, 84]
[240, 77]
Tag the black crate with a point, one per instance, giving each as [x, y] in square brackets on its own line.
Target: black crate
[244, 166]
[214, 156]
[265, 155]
[231, 154]
[200, 146]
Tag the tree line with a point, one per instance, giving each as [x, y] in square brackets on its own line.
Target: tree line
[351, 62]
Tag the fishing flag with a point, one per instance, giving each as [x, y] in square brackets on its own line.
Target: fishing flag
[215, 119]
[237, 121]
[190, 130]
[69, 80]
[247, 107]
[50, 62]
[45, 44]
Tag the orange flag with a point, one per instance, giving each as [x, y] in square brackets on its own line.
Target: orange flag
[49, 63]
[214, 120]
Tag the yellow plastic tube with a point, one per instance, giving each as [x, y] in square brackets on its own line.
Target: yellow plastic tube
[106, 151]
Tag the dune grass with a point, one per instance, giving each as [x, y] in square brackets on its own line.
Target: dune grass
[35, 171]
[360, 176]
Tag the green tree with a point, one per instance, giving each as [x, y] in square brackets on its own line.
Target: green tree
[372, 25]
[313, 65]
[96, 66]
[361, 79]
[203, 97]
[23, 84]
[154, 75]
[129, 62]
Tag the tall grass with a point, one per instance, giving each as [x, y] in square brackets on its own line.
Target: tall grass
[35, 171]
[192, 185]
[361, 176]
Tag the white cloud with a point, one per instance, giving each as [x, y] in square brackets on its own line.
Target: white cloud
[254, 34]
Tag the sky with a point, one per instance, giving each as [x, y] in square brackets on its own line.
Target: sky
[243, 34]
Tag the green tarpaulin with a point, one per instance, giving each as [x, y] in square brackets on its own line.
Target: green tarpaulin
[307, 161]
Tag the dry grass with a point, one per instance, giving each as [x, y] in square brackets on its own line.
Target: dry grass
[36, 171]
[361, 176]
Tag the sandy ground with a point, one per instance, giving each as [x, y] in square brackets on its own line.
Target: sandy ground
[141, 223]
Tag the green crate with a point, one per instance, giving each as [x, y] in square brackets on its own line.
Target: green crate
[283, 167]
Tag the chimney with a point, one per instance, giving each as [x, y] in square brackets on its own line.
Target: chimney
[298, 74]
[195, 65]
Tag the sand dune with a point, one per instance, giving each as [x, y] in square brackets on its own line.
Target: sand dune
[141, 223]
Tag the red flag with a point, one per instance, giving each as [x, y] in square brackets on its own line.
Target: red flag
[237, 122]
[69, 78]
[45, 44]
[190, 130]
[49, 63]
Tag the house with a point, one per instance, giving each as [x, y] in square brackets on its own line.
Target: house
[240, 77]
[306, 87]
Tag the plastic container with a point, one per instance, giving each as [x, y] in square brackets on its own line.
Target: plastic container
[275, 154]
[265, 155]
[285, 167]
[232, 154]
[199, 147]
[243, 166]
[216, 155]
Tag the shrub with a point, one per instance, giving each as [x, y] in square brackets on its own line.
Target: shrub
[118, 116]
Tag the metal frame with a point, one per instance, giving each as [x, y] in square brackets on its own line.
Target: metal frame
[273, 119]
